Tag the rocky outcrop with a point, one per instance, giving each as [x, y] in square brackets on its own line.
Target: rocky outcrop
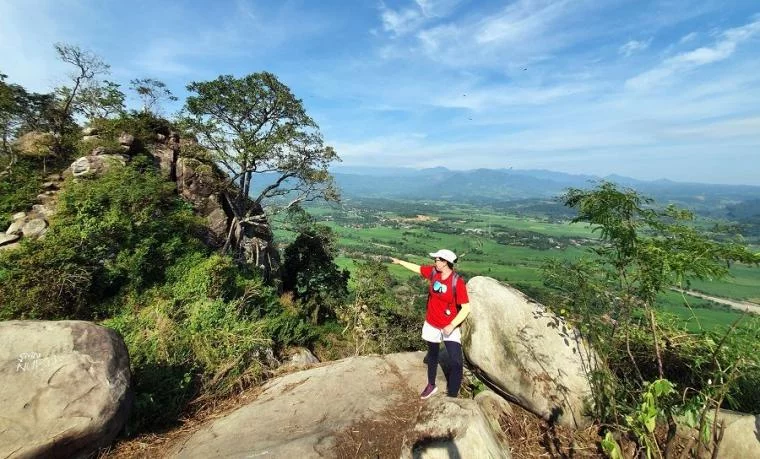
[199, 182]
[66, 388]
[527, 353]
[35, 144]
[250, 238]
[298, 357]
[360, 402]
[33, 224]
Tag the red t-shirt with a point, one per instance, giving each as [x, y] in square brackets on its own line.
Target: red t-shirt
[442, 298]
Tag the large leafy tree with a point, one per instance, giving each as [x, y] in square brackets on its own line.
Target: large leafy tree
[254, 126]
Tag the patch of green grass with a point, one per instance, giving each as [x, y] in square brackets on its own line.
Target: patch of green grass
[710, 315]
[743, 283]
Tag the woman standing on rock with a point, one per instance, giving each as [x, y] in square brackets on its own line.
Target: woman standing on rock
[447, 307]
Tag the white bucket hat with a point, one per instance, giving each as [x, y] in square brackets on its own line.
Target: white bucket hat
[445, 254]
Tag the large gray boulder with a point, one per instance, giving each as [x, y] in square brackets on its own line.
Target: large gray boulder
[526, 353]
[352, 407]
[741, 435]
[95, 164]
[66, 388]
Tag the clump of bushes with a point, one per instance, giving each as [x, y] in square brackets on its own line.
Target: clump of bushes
[123, 249]
[19, 188]
[118, 231]
[374, 318]
[651, 371]
[143, 125]
[200, 334]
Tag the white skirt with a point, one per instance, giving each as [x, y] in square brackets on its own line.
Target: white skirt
[436, 335]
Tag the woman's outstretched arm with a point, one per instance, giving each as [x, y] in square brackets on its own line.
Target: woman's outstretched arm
[406, 264]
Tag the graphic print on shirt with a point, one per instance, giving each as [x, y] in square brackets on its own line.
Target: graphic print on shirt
[441, 297]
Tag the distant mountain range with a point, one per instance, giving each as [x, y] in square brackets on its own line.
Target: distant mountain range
[489, 185]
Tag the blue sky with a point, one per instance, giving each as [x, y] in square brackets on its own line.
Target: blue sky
[647, 89]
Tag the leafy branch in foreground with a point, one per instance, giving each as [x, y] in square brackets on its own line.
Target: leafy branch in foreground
[643, 252]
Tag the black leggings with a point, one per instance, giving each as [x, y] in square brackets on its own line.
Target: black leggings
[454, 378]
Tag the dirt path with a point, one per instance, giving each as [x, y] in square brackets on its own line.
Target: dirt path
[735, 304]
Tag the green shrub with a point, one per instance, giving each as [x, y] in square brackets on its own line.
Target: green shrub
[117, 231]
[374, 319]
[144, 126]
[195, 337]
[18, 190]
[310, 273]
[110, 146]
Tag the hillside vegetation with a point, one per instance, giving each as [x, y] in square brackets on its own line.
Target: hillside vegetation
[202, 322]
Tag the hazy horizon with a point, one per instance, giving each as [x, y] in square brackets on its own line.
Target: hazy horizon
[338, 167]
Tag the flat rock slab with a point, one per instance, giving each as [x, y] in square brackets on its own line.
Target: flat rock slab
[301, 414]
[357, 407]
[66, 388]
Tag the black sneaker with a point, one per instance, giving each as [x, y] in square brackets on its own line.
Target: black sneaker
[428, 392]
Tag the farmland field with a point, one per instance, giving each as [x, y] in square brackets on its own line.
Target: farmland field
[509, 248]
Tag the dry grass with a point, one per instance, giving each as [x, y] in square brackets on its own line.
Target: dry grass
[153, 445]
[532, 437]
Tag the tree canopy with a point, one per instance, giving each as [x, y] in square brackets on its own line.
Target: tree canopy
[255, 125]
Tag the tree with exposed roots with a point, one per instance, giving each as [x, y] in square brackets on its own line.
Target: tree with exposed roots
[258, 131]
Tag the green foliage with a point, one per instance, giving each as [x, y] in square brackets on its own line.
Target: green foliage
[120, 230]
[151, 92]
[199, 333]
[611, 447]
[649, 250]
[291, 327]
[21, 112]
[99, 100]
[644, 252]
[374, 319]
[18, 190]
[144, 126]
[254, 125]
[87, 66]
[643, 420]
[310, 273]
[109, 146]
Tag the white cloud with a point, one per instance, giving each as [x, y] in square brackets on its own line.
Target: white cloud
[400, 22]
[521, 20]
[722, 49]
[519, 34]
[688, 37]
[437, 8]
[411, 19]
[634, 46]
[727, 129]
